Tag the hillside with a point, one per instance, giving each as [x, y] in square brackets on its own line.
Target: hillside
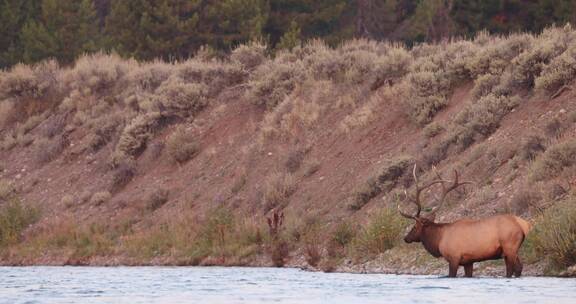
[112, 161]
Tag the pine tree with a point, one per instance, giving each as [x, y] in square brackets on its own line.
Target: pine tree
[102, 10]
[147, 29]
[331, 20]
[291, 38]
[64, 30]
[230, 22]
[379, 19]
[13, 15]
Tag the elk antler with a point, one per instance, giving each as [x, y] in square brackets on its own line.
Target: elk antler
[416, 200]
[406, 215]
[455, 184]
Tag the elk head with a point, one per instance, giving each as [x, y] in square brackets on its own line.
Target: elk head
[421, 222]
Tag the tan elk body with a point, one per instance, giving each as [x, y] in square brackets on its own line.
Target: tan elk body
[467, 241]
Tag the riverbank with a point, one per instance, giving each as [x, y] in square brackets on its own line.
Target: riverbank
[403, 260]
[295, 158]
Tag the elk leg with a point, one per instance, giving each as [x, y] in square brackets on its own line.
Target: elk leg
[518, 267]
[468, 268]
[452, 269]
[510, 262]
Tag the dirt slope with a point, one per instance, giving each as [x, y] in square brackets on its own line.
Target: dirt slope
[312, 157]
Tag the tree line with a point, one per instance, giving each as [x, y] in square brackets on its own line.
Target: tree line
[33, 30]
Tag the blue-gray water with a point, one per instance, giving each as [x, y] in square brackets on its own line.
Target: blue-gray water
[264, 285]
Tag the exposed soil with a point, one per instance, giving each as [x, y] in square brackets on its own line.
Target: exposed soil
[228, 132]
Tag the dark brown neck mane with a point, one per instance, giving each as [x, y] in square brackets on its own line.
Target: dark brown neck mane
[431, 236]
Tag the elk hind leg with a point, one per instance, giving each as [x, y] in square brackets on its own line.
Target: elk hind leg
[510, 261]
[513, 265]
[518, 267]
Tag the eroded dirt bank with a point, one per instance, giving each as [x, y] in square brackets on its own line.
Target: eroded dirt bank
[114, 162]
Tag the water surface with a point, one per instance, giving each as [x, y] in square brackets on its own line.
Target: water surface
[264, 285]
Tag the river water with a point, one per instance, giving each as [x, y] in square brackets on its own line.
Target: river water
[264, 285]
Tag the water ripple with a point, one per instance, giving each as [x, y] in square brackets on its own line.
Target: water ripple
[264, 285]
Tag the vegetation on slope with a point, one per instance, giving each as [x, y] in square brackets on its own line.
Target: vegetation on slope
[123, 118]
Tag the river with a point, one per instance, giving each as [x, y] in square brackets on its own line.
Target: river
[264, 285]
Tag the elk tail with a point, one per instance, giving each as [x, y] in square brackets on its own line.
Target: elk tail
[523, 224]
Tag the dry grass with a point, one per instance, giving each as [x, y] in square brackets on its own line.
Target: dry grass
[484, 85]
[53, 125]
[8, 142]
[7, 113]
[360, 62]
[384, 179]
[68, 201]
[122, 175]
[157, 199]
[366, 112]
[26, 84]
[294, 159]
[312, 239]
[100, 198]
[136, 134]
[298, 112]
[554, 236]
[433, 129]
[484, 116]
[554, 128]
[561, 71]
[272, 82]
[7, 190]
[523, 200]
[495, 56]
[382, 233]
[343, 234]
[531, 146]
[97, 74]
[215, 239]
[66, 237]
[223, 236]
[310, 167]
[31, 123]
[14, 219]
[429, 95]
[215, 75]
[278, 187]
[529, 65]
[49, 149]
[240, 181]
[181, 145]
[278, 247]
[554, 161]
[179, 98]
[249, 55]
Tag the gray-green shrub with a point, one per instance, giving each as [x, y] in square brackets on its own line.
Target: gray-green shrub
[382, 233]
[556, 159]
[14, 218]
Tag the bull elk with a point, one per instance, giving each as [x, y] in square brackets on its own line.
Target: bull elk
[466, 241]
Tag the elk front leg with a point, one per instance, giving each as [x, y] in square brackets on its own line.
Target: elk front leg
[468, 268]
[452, 268]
